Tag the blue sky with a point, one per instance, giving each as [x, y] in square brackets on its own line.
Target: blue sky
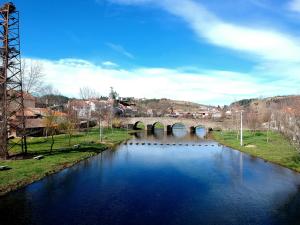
[207, 51]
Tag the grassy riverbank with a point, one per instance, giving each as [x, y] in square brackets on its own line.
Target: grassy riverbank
[26, 171]
[278, 150]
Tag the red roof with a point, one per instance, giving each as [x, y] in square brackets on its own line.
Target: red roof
[32, 112]
[35, 123]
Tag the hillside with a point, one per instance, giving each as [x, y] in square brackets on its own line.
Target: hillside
[272, 103]
[168, 106]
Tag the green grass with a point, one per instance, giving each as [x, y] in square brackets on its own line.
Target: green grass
[140, 126]
[158, 125]
[278, 150]
[26, 171]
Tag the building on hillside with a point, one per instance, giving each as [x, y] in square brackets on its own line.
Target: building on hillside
[228, 114]
[203, 114]
[83, 108]
[35, 120]
[150, 112]
[89, 111]
[216, 115]
[127, 107]
[29, 100]
[35, 127]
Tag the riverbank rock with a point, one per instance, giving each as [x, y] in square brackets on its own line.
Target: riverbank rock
[250, 146]
[4, 168]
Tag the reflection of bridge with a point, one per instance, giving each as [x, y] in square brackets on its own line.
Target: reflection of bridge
[169, 122]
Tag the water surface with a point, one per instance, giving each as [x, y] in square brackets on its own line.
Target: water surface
[160, 179]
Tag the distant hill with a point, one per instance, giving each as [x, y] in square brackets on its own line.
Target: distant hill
[292, 101]
[168, 106]
[278, 106]
[244, 102]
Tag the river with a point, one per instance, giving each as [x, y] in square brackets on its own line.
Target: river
[161, 179]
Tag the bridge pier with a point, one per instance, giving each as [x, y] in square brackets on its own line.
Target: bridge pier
[149, 127]
[192, 129]
[130, 126]
[169, 129]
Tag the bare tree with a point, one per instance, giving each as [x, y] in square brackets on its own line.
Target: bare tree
[113, 99]
[48, 94]
[69, 123]
[87, 93]
[49, 90]
[99, 113]
[252, 120]
[51, 126]
[113, 95]
[266, 118]
[32, 77]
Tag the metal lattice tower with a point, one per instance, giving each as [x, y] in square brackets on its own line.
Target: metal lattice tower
[11, 94]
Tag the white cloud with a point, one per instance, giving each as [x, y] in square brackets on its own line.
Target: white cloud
[109, 64]
[203, 86]
[260, 42]
[277, 73]
[294, 5]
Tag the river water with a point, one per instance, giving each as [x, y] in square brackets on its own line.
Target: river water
[161, 179]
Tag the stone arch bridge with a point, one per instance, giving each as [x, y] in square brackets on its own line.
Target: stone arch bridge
[168, 122]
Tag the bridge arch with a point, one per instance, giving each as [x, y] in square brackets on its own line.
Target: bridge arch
[179, 125]
[179, 130]
[158, 125]
[170, 122]
[200, 131]
[139, 125]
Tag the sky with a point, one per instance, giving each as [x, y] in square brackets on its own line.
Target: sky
[206, 51]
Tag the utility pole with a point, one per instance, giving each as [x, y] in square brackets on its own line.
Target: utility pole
[241, 128]
[100, 123]
[100, 130]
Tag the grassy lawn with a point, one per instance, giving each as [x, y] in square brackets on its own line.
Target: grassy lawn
[278, 150]
[26, 171]
[158, 125]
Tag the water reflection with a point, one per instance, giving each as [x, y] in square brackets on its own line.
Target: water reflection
[200, 132]
[179, 132]
[141, 134]
[241, 167]
[161, 179]
[158, 133]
